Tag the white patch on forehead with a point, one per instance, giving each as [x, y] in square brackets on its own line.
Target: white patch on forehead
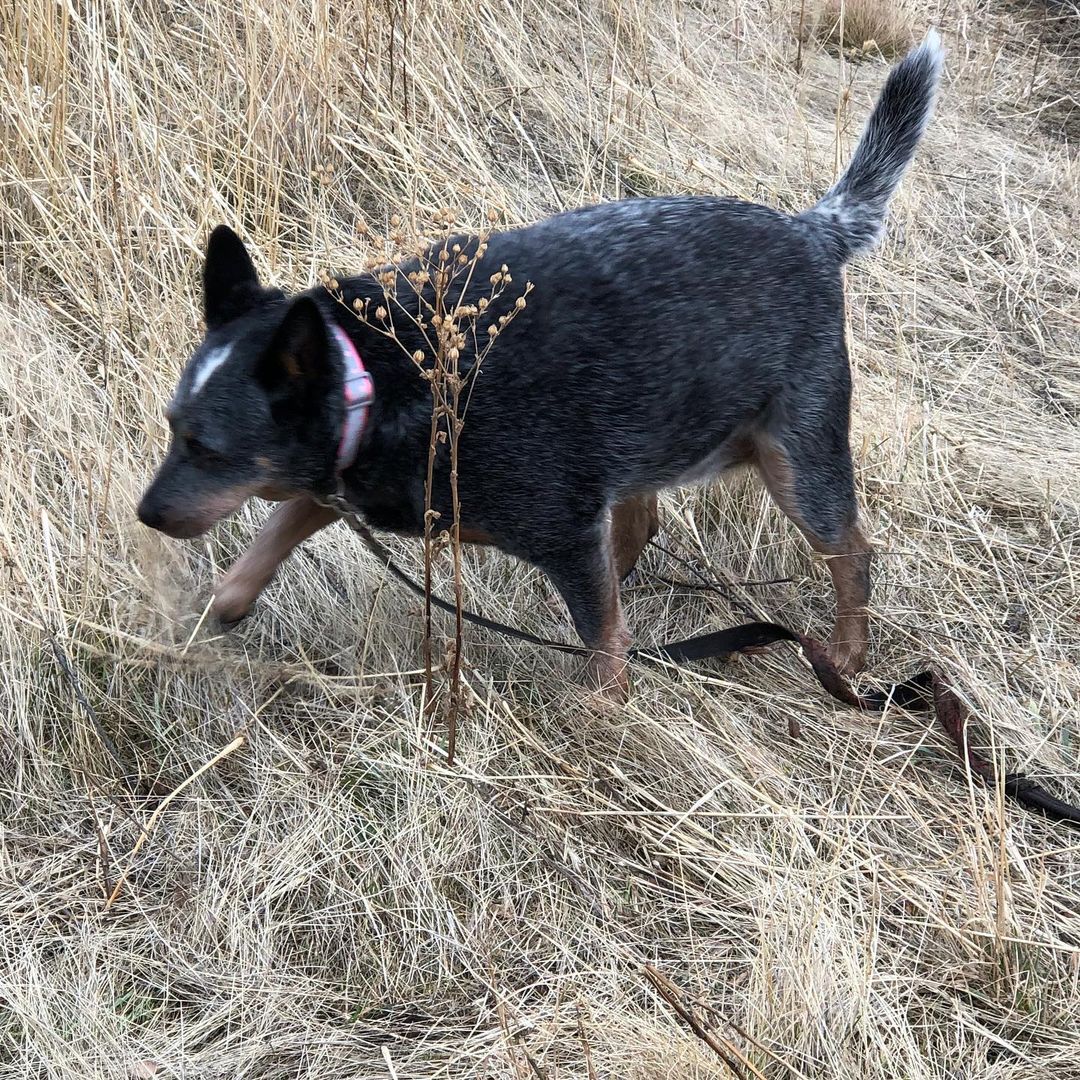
[210, 363]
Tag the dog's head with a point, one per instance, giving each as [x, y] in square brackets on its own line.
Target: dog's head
[257, 406]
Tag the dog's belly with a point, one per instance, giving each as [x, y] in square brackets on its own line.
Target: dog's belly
[737, 449]
[401, 521]
[394, 518]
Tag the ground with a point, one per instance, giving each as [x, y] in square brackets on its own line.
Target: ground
[247, 856]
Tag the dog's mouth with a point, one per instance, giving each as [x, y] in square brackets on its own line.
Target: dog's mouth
[186, 530]
[178, 528]
[191, 521]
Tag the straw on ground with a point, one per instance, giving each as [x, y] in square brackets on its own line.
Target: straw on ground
[820, 893]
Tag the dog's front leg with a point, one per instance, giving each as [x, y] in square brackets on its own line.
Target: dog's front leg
[584, 572]
[289, 525]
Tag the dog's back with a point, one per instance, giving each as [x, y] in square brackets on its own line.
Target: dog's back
[642, 311]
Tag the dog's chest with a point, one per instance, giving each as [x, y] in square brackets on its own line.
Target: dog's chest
[392, 509]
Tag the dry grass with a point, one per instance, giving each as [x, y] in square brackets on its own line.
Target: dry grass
[887, 26]
[328, 899]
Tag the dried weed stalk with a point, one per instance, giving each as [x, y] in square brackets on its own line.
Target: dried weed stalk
[436, 286]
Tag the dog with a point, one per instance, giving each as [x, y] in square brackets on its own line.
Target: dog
[664, 340]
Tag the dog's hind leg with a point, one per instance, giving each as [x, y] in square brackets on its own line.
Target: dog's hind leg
[810, 476]
[289, 525]
[634, 522]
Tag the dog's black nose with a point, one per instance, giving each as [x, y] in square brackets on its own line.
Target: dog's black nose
[150, 513]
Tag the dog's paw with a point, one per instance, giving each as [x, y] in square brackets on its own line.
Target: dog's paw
[848, 656]
[607, 701]
[608, 680]
[229, 607]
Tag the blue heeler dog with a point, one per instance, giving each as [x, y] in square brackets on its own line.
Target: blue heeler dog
[664, 340]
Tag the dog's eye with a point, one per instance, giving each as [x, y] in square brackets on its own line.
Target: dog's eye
[200, 451]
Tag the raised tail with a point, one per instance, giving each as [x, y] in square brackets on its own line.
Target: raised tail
[854, 208]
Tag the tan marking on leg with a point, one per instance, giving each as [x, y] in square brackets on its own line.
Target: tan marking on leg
[848, 560]
[289, 525]
[849, 565]
[609, 668]
[634, 522]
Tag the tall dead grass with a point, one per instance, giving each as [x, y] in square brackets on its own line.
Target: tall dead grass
[831, 895]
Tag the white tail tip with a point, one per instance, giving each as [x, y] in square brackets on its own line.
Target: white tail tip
[932, 42]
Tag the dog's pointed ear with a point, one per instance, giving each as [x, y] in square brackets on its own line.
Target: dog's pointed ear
[230, 282]
[297, 362]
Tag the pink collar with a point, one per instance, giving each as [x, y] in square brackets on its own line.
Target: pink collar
[359, 393]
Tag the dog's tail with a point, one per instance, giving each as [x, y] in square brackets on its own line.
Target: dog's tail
[853, 210]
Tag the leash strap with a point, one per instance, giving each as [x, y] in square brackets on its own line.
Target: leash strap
[922, 691]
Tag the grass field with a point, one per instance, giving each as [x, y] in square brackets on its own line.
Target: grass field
[300, 886]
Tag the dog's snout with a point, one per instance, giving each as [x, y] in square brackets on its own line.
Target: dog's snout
[186, 518]
[150, 513]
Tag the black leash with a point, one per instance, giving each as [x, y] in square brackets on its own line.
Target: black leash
[922, 691]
